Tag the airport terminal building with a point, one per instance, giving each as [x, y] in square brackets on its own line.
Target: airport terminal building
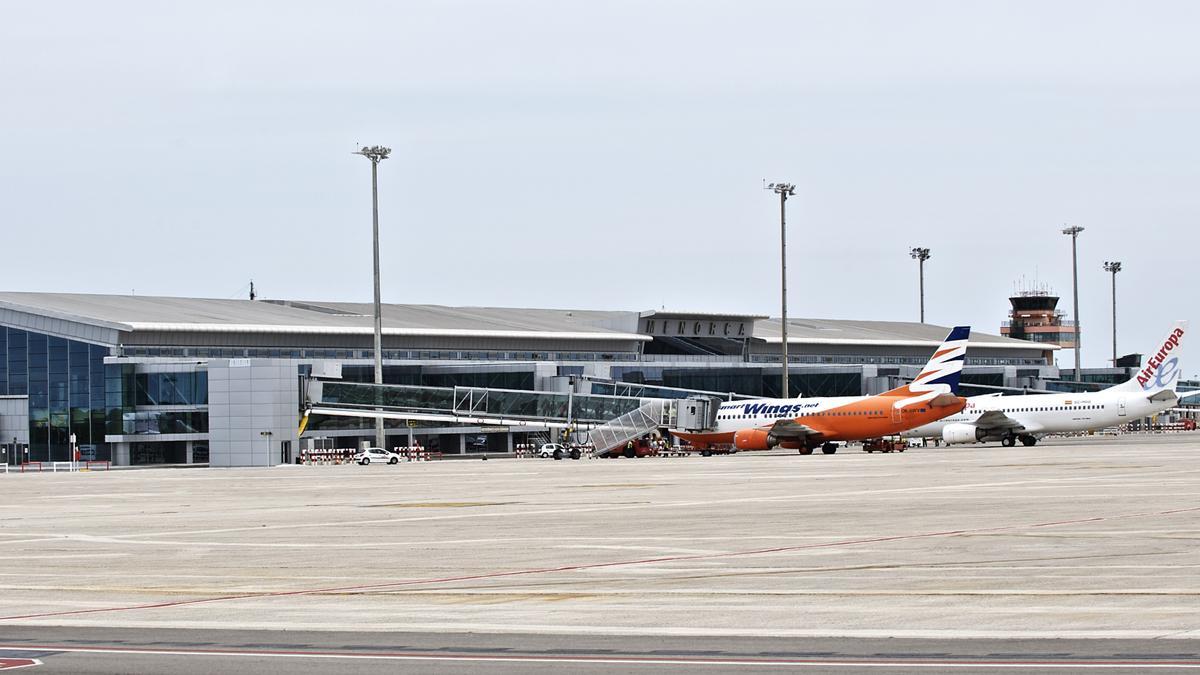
[147, 380]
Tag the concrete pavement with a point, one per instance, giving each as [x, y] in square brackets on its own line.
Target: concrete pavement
[1072, 539]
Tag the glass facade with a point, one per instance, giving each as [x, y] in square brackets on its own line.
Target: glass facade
[746, 381]
[125, 390]
[990, 383]
[64, 380]
[142, 423]
[416, 376]
[388, 354]
[190, 388]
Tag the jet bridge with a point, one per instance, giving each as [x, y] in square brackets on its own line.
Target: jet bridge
[582, 413]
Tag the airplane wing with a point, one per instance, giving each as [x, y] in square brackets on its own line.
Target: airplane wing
[994, 420]
[790, 430]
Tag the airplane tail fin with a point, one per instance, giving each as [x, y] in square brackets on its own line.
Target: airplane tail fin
[941, 374]
[1161, 370]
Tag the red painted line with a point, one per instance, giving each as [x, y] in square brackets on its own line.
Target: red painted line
[362, 588]
[933, 662]
[13, 664]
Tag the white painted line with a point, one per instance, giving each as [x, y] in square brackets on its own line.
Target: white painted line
[64, 556]
[662, 506]
[658, 549]
[652, 661]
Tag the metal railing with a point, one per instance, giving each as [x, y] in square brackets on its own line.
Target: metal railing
[648, 417]
[479, 402]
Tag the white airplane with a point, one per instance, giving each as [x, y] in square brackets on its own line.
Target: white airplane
[1029, 417]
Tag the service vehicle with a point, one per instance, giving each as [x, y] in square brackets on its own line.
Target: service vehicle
[557, 451]
[892, 444]
[638, 447]
[369, 455]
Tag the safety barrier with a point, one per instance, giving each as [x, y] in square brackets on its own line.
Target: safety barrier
[65, 466]
[87, 465]
[1139, 428]
[338, 456]
[417, 453]
[327, 456]
[27, 466]
[531, 450]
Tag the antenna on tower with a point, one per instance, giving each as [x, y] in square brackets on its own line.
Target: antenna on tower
[253, 295]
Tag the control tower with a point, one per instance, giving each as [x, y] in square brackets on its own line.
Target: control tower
[1034, 316]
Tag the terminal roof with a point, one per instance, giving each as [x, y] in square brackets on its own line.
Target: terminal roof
[855, 332]
[138, 313]
[134, 313]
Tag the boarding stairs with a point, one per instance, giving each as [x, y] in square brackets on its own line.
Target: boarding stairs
[652, 415]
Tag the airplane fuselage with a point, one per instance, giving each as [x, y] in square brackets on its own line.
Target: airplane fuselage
[1039, 414]
[837, 418]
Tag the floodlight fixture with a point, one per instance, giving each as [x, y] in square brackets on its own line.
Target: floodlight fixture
[375, 153]
[783, 189]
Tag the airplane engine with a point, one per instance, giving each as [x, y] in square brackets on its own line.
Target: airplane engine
[754, 439]
[791, 445]
[961, 433]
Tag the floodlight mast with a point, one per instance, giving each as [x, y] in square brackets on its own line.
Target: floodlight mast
[1073, 232]
[784, 190]
[376, 153]
[1113, 267]
[921, 255]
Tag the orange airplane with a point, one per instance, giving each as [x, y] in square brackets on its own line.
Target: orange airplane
[808, 423]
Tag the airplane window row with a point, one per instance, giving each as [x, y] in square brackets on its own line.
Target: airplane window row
[810, 414]
[848, 413]
[979, 411]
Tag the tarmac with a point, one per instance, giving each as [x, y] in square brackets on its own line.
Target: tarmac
[1089, 541]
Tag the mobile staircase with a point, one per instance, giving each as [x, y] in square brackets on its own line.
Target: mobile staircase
[651, 416]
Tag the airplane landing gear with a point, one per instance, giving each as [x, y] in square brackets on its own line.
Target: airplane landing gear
[1008, 441]
[829, 448]
[1028, 441]
[806, 450]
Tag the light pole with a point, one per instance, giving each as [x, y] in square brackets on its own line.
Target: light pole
[921, 255]
[1114, 267]
[376, 153]
[784, 190]
[1074, 231]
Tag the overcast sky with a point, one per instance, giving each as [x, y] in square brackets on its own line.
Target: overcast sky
[610, 155]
